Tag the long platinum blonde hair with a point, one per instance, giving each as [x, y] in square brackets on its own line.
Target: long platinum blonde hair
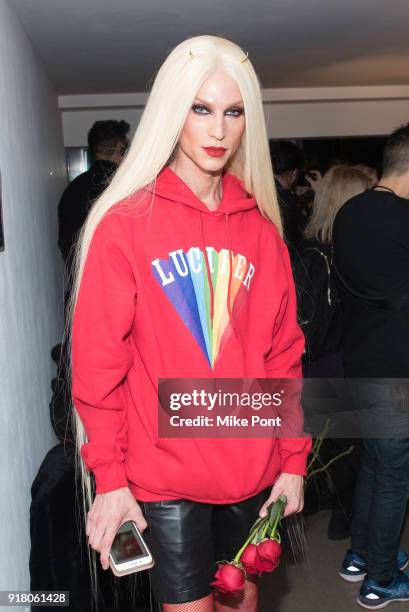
[180, 77]
[338, 185]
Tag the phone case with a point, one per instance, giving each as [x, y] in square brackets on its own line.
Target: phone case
[133, 570]
[139, 568]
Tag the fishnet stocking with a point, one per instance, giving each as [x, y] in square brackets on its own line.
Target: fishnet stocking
[245, 602]
[199, 605]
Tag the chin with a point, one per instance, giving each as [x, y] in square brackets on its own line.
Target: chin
[212, 165]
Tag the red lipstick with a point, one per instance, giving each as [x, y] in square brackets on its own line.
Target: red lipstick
[215, 151]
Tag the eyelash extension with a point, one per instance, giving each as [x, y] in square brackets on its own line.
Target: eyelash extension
[238, 111]
[196, 107]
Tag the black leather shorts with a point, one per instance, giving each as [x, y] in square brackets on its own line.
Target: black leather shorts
[187, 538]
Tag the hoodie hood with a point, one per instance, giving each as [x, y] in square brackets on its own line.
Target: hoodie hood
[234, 199]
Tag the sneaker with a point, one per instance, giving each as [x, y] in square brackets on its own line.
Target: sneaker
[374, 596]
[354, 566]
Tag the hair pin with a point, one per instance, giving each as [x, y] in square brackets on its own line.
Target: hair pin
[244, 58]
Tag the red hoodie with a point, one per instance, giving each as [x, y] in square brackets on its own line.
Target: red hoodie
[151, 306]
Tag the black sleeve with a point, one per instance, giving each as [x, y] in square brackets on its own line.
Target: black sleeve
[304, 286]
[71, 216]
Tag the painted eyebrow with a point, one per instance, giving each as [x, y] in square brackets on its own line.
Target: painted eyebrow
[238, 103]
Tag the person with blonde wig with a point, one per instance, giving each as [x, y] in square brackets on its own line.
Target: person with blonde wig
[320, 317]
[338, 185]
[318, 303]
[181, 272]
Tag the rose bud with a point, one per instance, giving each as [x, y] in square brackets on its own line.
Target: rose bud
[248, 559]
[269, 550]
[229, 578]
[268, 556]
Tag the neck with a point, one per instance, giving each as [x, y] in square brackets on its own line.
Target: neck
[398, 184]
[207, 186]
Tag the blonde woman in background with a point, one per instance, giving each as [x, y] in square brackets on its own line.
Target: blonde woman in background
[338, 185]
[320, 317]
[181, 272]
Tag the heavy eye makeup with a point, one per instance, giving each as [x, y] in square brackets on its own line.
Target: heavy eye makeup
[202, 109]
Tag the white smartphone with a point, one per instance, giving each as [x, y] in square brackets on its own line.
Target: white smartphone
[129, 552]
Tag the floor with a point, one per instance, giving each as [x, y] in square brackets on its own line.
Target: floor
[314, 585]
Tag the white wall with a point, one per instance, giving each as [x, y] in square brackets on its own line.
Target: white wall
[33, 176]
[290, 113]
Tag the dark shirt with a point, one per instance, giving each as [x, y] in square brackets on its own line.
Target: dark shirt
[292, 217]
[77, 199]
[371, 248]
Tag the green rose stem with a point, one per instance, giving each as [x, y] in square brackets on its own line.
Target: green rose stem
[275, 516]
[275, 525]
[262, 525]
[252, 533]
[276, 509]
[257, 522]
[266, 528]
[256, 538]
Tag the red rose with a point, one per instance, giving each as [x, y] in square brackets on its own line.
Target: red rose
[269, 549]
[249, 559]
[268, 555]
[265, 566]
[229, 578]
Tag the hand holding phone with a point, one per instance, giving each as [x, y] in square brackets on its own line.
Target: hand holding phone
[107, 513]
[129, 552]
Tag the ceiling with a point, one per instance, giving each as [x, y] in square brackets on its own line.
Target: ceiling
[116, 46]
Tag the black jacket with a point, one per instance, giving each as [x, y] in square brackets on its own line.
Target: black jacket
[318, 304]
[77, 199]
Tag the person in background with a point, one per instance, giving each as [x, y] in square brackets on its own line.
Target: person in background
[370, 171]
[320, 317]
[107, 142]
[305, 188]
[371, 251]
[318, 304]
[288, 161]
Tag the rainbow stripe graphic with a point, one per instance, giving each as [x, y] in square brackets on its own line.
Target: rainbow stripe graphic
[183, 278]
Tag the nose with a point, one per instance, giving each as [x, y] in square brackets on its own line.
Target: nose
[218, 126]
